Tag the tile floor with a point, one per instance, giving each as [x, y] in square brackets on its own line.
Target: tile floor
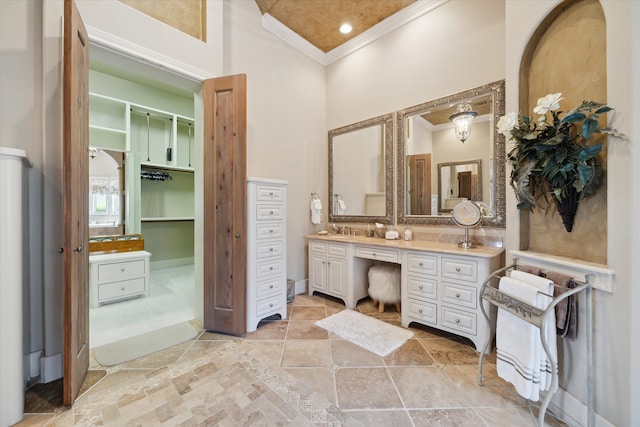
[292, 372]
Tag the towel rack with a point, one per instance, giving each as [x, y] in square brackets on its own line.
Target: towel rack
[539, 318]
[315, 195]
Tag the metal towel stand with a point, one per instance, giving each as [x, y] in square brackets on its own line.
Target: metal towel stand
[539, 318]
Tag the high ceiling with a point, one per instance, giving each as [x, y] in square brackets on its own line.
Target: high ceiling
[318, 21]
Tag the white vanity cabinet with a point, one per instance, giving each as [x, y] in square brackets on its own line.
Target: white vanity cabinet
[266, 250]
[328, 269]
[118, 276]
[439, 281]
[441, 291]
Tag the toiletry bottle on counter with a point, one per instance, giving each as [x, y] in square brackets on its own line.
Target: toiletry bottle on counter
[408, 234]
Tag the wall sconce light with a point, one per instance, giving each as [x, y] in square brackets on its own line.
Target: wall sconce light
[92, 152]
[462, 120]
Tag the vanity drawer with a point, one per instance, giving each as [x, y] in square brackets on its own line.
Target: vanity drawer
[423, 312]
[121, 289]
[453, 293]
[317, 247]
[269, 305]
[269, 231]
[461, 269]
[269, 287]
[269, 249]
[269, 193]
[120, 270]
[459, 320]
[422, 263]
[378, 254]
[267, 212]
[337, 249]
[270, 268]
[422, 287]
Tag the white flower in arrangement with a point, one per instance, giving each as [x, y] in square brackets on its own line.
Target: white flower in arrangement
[548, 103]
[507, 123]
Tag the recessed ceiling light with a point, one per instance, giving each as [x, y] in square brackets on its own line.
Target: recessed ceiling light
[345, 28]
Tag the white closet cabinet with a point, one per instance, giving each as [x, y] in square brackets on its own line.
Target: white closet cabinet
[266, 250]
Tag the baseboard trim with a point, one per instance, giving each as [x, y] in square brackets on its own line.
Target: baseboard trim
[51, 368]
[572, 411]
[171, 263]
[32, 365]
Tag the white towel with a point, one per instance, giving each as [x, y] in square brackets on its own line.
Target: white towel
[316, 211]
[342, 208]
[516, 343]
[545, 286]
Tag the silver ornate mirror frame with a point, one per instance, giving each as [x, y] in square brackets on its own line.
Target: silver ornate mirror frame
[387, 122]
[497, 219]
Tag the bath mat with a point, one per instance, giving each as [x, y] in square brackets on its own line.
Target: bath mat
[367, 332]
[142, 345]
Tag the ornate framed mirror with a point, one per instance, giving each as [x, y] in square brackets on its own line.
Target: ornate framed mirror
[436, 170]
[361, 171]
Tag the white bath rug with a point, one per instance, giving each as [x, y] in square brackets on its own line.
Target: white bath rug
[367, 332]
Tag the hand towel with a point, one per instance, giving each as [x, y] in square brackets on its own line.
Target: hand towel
[341, 207]
[565, 309]
[516, 343]
[545, 286]
[316, 211]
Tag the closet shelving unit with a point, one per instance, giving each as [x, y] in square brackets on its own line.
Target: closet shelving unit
[537, 317]
[158, 140]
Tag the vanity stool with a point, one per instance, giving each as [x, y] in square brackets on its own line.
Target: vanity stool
[384, 285]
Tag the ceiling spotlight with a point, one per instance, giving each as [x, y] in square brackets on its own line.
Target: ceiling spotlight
[345, 28]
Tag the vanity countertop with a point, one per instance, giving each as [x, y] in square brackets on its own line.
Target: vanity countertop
[418, 245]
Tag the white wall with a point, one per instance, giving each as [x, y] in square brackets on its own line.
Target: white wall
[286, 133]
[616, 373]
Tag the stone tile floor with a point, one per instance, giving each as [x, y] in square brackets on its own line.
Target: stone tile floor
[291, 372]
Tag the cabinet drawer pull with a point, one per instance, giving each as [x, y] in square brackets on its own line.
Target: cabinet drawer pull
[270, 249]
[421, 287]
[458, 295]
[122, 288]
[270, 286]
[271, 193]
[122, 270]
[271, 231]
[457, 269]
[271, 305]
[420, 311]
[270, 212]
[420, 264]
[270, 268]
[457, 320]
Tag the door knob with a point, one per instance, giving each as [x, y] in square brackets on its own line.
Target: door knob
[78, 249]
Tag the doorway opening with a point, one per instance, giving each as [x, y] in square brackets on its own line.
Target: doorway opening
[145, 116]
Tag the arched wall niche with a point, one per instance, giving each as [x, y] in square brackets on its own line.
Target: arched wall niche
[567, 54]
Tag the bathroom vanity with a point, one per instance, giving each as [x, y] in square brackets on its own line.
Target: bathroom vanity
[439, 281]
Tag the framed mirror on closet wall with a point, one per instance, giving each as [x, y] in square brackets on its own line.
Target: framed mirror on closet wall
[435, 170]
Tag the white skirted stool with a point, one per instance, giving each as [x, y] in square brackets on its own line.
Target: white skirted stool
[384, 285]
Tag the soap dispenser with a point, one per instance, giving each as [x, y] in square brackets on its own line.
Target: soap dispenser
[408, 234]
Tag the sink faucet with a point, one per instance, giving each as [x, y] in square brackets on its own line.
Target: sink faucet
[346, 230]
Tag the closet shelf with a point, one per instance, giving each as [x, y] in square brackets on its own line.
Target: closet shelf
[167, 218]
[108, 130]
[167, 167]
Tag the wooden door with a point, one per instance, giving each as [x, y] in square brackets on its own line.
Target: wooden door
[75, 204]
[464, 184]
[225, 217]
[419, 184]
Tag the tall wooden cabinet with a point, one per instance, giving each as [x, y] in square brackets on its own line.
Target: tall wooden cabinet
[266, 250]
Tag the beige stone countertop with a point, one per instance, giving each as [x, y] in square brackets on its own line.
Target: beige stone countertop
[419, 245]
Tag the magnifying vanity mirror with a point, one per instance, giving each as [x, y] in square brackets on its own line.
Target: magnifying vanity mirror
[361, 171]
[436, 170]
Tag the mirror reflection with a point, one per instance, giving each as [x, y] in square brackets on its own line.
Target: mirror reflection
[437, 168]
[106, 185]
[361, 171]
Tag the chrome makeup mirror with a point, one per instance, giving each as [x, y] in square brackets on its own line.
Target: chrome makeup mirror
[361, 171]
[428, 149]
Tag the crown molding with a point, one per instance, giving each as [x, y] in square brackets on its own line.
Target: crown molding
[395, 21]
